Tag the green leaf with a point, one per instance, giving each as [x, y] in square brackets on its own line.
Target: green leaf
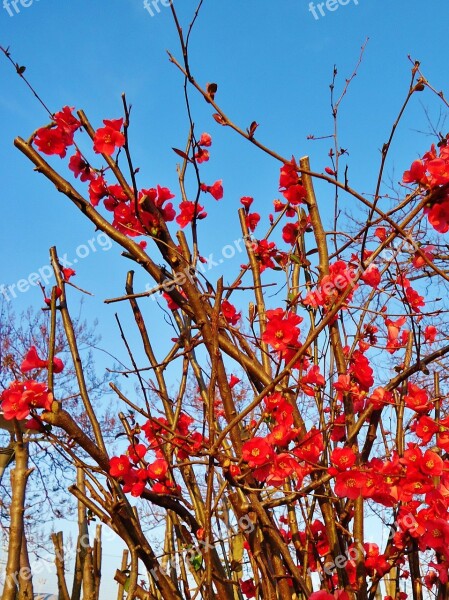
[197, 561]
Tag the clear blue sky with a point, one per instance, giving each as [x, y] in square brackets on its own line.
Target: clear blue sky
[273, 62]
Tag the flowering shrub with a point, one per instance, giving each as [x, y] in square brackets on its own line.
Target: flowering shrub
[309, 408]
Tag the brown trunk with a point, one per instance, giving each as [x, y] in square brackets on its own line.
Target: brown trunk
[57, 539]
[19, 477]
[25, 575]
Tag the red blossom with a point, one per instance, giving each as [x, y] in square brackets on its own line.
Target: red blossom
[21, 397]
[66, 122]
[371, 276]
[189, 211]
[246, 201]
[343, 458]
[430, 334]
[252, 220]
[257, 452]
[205, 140]
[248, 588]
[348, 484]
[51, 141]
[32, 361]
[158, 469]
[202, 155]
[417, 398]
[230, 313]
[81, 167]
[119, 466]
[109, 137]
[381, 233]
[290, 232]
[215, 190]
[281, 330]
[67, 273]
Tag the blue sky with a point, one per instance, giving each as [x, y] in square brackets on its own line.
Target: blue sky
[273, 63]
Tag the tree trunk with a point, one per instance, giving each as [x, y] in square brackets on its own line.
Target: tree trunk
[19, 477]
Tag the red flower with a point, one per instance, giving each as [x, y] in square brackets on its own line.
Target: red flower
[252, 220]
[414, 299]
[51, 141]
[381, 233]
[418, 261]
[109, 137]
[81, 167]
[290, 232]
[233, 381]
[289, 175]
[438, 215]
[436, 535]
[257, 452]
[12, 404]
[417, 173]
[348, 484]
[361, 370]
[265, 251]
[66, 122]
[284, 466]
[295, 194]
[279, 206]
[215, 190]
[371, 276]
[157, 470]
[20, 397]
[281, 331]
[202, 155]
[125, 220]
[189, 211]
[136, 452]
[205, 140]
[281, 435]
[343, 458]
[431, 464]
[230, 313]
[246, 201]
[430, 333]
[98, 189]
[119, 466]
[393, 328]
[32, 361]
[68, 273]
[425, 428]
[310, 446]
[248, 588]
[321, 595]
[380, 397]
[417, 398]
[312, 378]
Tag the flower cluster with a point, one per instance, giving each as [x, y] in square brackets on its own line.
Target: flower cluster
[331, 287]
[135, 472]
[131, 216]
[272, 459]
[431, 173]
[22, 398]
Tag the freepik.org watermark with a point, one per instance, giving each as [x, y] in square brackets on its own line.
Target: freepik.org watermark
[154, 6]
[41, 566]
[12, 7]
[44, 274]
[228, 252]
[330, 5]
